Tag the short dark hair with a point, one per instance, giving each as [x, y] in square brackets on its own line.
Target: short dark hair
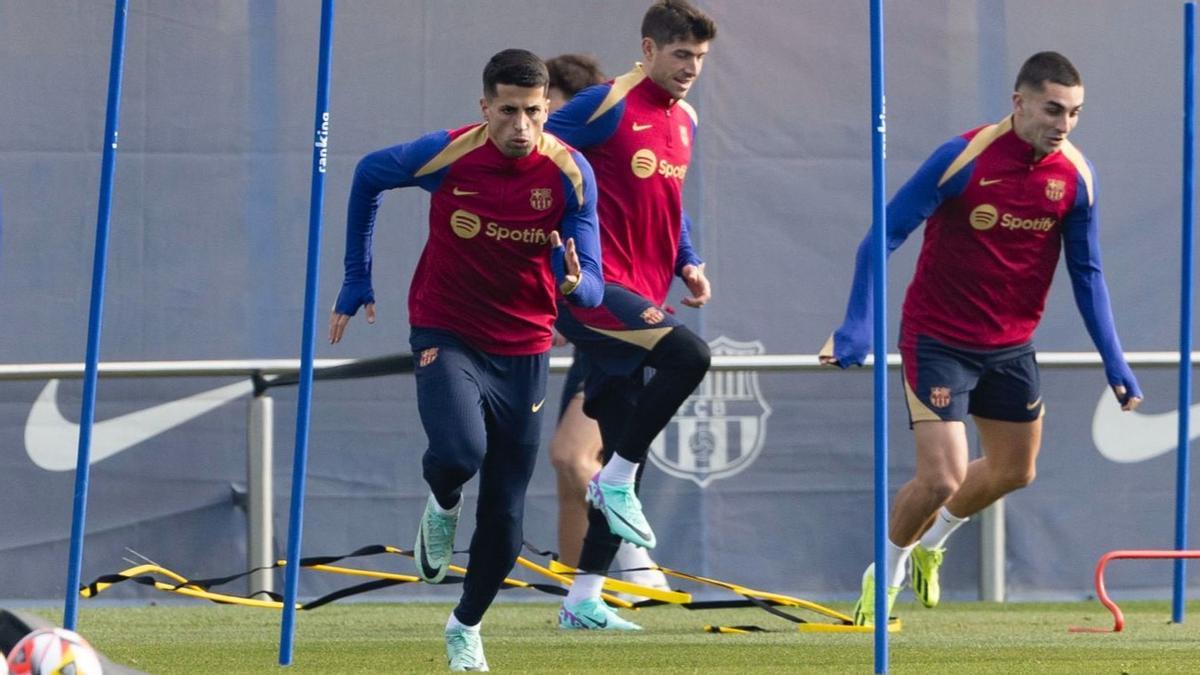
[1051, 66]
[670, 21]
[572, 73]
[518, 67]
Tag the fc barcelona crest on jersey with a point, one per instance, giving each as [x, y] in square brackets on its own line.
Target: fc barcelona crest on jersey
[720, 429]
[540, 198]
[1055, 189]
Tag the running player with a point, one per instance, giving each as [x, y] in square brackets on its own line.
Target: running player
[637, 132]
[576, 449]
[505, 198]
[1000, 202]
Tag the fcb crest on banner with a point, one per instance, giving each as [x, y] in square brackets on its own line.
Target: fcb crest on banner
[720, 429]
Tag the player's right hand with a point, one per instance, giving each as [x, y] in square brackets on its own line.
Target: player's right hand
[355, 293]
[339, 321]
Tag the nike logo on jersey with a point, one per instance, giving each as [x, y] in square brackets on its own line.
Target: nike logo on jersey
[1132, 436]
[641, 127]
[52, 442]
[983, 182]
[537, 406]
[459, 192]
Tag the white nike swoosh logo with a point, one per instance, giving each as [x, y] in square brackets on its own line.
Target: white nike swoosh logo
[52, 442]
[983, 182]
[459, 192]
[641, 127]
[1127, 437]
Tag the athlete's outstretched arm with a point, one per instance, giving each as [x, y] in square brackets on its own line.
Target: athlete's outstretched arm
[377, 172]
[1081, 244]
[916, 200]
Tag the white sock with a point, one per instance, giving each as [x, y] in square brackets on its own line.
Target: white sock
[586, 587]
[446, 512]
[634, 557]
[896, 559]
[631, 556]
[453, 623]
[619, 471]
[943, 526]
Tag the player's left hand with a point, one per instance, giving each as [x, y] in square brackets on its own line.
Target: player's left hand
[570, 259]
[825, 357]
[697, 283]
[1127, 402]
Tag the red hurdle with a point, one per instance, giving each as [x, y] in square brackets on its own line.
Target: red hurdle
[1102, 594]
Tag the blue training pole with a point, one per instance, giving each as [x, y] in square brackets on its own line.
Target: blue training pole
[879, 264]
[1185, 302]
[108, 167]
[304, 405]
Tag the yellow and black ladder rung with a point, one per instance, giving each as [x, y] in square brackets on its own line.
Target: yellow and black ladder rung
[556, 571]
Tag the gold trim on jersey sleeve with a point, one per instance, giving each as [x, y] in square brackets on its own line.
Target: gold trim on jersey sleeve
[1073, 154]
[687, 107]
[455, 150]
[620, 88]
[553, 148]
[978, 144]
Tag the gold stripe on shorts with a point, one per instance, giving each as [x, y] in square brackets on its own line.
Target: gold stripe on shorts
[917, 410]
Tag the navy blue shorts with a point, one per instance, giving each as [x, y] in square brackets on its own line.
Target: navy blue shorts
[948, 383]
[616, 336]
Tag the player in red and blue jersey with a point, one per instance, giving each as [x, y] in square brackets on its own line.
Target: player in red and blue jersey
[483, 299]
[638, 133]
[999, 203]
[576, 450]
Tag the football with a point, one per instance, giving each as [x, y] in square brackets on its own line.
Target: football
[53, 651]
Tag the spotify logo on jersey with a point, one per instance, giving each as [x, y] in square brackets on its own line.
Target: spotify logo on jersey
[464, 223]
[983, 217]
[644, 163]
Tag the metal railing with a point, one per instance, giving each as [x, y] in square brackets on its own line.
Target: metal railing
[260, 426]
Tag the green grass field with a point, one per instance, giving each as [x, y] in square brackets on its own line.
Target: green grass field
[520, 637]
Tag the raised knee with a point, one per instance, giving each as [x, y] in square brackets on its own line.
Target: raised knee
[689, 353]
[460, 461]
[698, 358]
[1019, 478]
[941, 488]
